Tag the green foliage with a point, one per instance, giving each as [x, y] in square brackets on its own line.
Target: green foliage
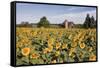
[89, 22]
[43, 22]
[78, 26]
[37, 61]
[49, 46]
[93, 23]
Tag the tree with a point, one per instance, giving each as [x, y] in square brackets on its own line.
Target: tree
[87, 21]
[95, 23]
[43, 22]
[92, 23]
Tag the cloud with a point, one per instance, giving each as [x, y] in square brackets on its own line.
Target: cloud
[54, 13]
[75, 17]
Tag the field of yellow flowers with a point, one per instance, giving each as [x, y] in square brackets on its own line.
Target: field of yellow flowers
[50, 45]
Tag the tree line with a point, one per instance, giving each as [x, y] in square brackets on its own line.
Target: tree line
[89, 22]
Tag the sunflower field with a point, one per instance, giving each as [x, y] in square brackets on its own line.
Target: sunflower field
[51, 45]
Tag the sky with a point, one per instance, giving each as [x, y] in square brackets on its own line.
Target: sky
[56, 14]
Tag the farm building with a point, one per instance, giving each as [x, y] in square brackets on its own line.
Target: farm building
[68, 24]
[65, 24]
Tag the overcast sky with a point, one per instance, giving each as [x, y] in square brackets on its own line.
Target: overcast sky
[55, 13]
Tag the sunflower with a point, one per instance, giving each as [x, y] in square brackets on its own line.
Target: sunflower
[25, 41]
[64, 46]
[74, 44]
[35, 33]
[50, 41]
[50, 48]
[25, 51]
[54, 61]
[90, 49]
[57, 53]
[70, 53]
[82, 45]
[72, 50]
[35, 56]
[81, 54]
[46, 50]
[58, 45]
[92, 38]
[92, 57]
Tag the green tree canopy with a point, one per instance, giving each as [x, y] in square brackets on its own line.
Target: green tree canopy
[93, 23]
[43, 22]
[89, 22]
